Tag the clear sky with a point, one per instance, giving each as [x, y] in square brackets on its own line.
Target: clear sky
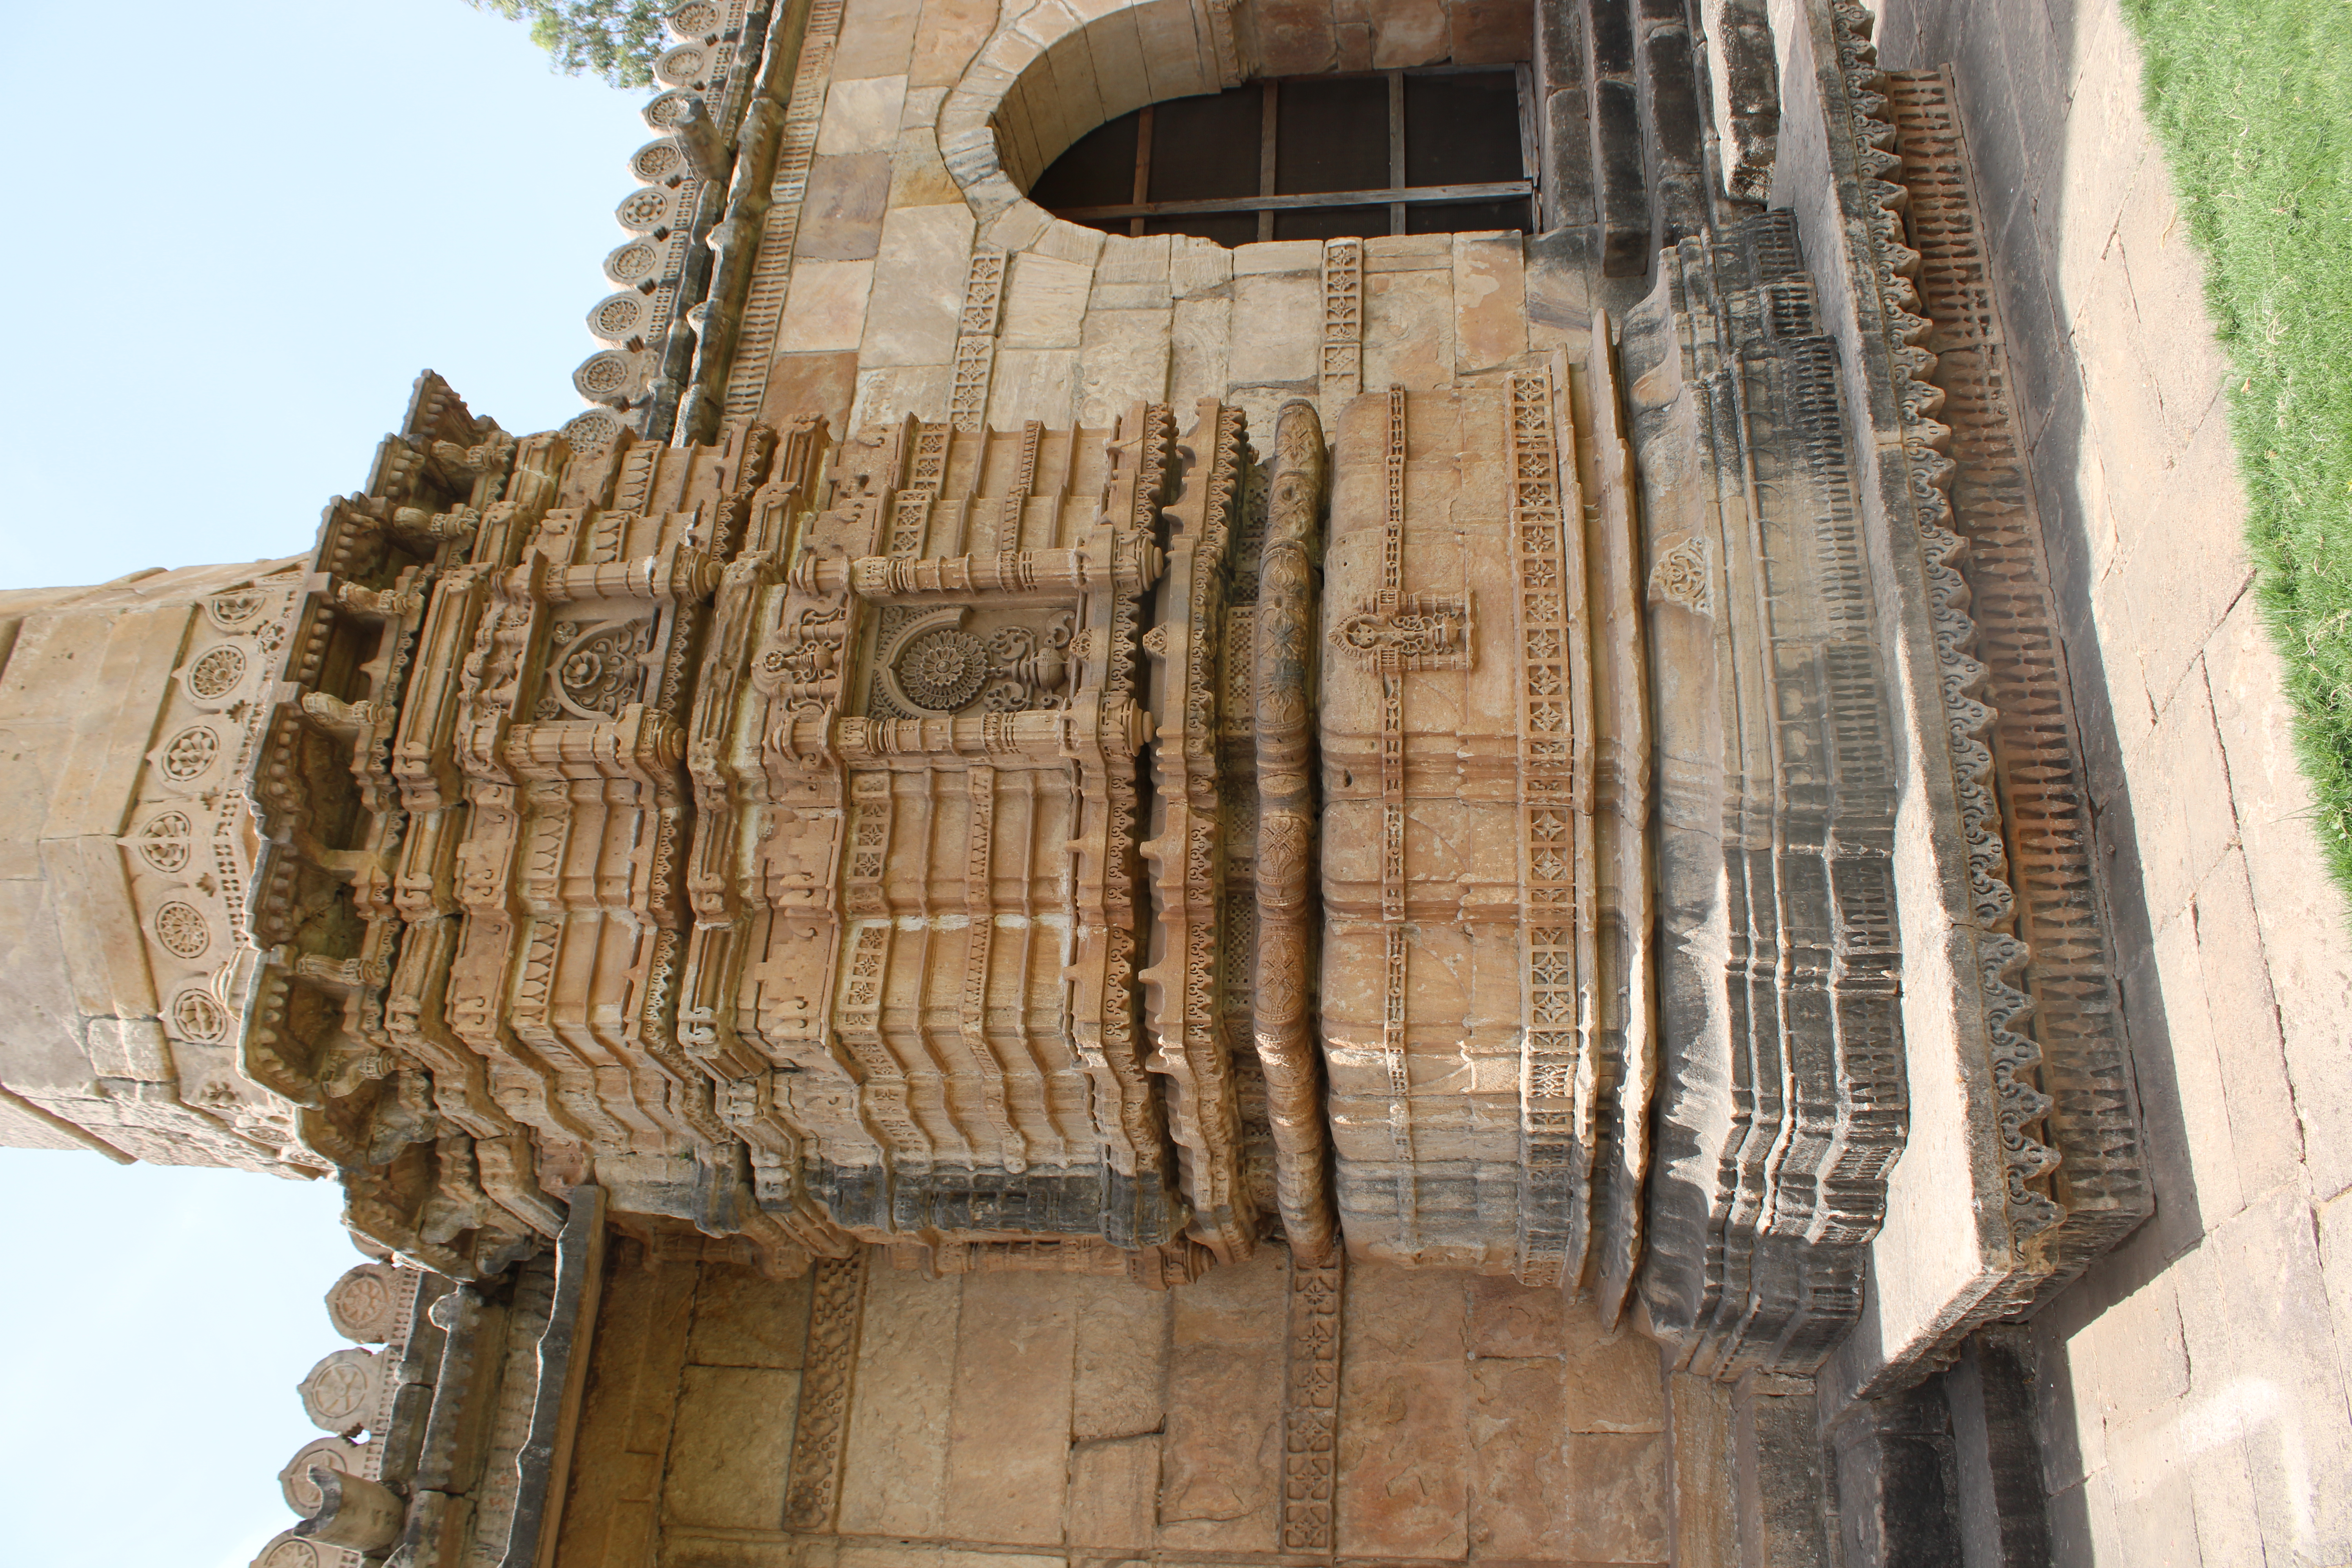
[241, 228]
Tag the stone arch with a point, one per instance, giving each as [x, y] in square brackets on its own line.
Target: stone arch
[1055, 71]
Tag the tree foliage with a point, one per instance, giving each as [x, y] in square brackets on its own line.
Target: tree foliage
[616, 39]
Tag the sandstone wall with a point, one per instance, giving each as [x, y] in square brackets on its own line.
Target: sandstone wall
[2193, 1385]
[880, 274]
[1026, 1419]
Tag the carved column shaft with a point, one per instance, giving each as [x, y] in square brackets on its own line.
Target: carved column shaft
[1283, 661]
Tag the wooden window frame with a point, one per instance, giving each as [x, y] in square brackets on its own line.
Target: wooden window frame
[1398, 196]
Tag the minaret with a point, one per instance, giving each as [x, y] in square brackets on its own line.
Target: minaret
[128, 717]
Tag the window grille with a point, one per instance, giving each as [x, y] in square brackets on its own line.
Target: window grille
[1435, 151]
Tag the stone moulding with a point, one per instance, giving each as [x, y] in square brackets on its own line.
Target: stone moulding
[2072, 1005]
[720, 125]
[1284, 660]
[764, 222]
[467, 1411]
[820, 1419]
[1976, 1222]
[1310, 1404]
[1782, 1100]
[1889, 289]
[1184, 983]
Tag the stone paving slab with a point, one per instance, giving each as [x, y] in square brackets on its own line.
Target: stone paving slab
[2192, 1386]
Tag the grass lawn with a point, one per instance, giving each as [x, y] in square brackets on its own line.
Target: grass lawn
[2252, 101]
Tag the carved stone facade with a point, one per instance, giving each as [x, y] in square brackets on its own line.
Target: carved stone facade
[1170, 902]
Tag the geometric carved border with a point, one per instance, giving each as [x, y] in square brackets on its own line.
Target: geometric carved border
[1310, 1412]
[820, 1430]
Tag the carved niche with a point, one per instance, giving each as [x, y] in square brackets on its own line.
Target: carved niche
[931, 967]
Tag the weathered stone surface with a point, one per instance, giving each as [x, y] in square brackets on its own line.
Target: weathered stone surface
[1520, 1483]
[826, 382]
[1490, 314]
[1044, 302]
[1409, 33]
[826, 308]
[918, 177]
[729, 1458]
[1405, 1472]
[1123, 359]
[1119, 1374]
[894, 1476]
[1614, 1381]
[876, 37]
[1008, 1434]
[1409, 321]
[1273, 337]
[1405, 1317]
[743, 1318]
[1221, 1463]
[951, 33]
[1491, 32]
[841, 219]
[1511, 1320]
[862, 116]
[908, 322]
[1114, 1492]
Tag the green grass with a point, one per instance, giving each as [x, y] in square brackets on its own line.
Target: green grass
[2252, 102]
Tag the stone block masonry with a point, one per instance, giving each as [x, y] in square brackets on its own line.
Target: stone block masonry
[1045, 1417]
[1429, 898]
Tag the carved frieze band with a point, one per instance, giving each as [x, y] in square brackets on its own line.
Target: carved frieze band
[1557, 1074]
[682, 174]
[1926, 442]
[821, 1426]
[2069, 973]
[763, 304]
[1311, 1406]
[976, 353]
[1343, 320]
[1395, 978]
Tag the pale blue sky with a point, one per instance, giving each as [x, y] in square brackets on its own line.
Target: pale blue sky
[241, 228]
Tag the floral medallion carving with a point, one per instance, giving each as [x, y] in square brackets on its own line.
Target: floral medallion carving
[216, 672]
[182, 930]
[230, 612]
[936, 664]
[196, 1016]
[943, 669]
[190, 755]
[164, 841]
[598, 673]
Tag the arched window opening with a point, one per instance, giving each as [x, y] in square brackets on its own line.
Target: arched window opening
[1442, 150]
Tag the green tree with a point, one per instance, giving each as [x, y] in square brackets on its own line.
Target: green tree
[616, 39]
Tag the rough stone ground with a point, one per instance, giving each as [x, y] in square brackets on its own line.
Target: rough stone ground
[2192, 1389]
